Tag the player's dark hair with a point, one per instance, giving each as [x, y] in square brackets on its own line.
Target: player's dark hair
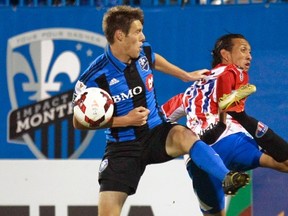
[224, 42]
[120, 18]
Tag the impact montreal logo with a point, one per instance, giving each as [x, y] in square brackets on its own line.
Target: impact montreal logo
[42, 68]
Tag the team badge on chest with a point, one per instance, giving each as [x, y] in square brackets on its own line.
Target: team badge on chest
[241, 76]
[144, 64]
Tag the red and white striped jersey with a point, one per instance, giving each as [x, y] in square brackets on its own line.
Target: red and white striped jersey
[199, 104]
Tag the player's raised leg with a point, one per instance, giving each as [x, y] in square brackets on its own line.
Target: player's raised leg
[271, 142]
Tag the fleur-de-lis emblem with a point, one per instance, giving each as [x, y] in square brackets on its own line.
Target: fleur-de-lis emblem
[41, 53]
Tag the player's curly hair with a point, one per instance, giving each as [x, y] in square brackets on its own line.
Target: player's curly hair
[120, 17]
[224, 42]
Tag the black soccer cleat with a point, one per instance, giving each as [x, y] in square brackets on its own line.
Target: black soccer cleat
[234, 181]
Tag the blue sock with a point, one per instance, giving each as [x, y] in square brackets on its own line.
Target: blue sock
[208, 160]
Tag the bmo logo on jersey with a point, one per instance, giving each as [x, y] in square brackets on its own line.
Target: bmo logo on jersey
[130, 94]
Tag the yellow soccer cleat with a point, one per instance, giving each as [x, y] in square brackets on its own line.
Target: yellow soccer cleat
[233, 99]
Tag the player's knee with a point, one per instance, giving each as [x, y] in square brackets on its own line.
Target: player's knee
[285, 166]
[183, 137]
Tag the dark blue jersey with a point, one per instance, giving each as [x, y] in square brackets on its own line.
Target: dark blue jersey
[130, 86]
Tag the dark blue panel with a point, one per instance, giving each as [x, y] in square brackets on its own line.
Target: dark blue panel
[185, 36]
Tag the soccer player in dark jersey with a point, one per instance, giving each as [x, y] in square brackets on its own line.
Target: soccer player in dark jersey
[138, 135]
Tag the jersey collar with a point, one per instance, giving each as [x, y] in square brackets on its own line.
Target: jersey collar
[120, 66]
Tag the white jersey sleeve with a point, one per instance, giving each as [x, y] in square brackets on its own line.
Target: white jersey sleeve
[173, 109]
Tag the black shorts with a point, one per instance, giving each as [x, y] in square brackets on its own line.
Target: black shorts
[125, 162]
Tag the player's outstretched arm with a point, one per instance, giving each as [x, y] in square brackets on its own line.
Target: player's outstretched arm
[161, 64]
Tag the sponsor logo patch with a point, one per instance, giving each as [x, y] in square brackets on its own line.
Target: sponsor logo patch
[261, 130]
[103, 165]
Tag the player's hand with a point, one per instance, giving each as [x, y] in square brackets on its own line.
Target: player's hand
[138, 116]
[213, 132]
[198, 74]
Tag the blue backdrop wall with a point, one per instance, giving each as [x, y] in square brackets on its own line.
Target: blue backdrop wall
[43, 51]
[185, 36]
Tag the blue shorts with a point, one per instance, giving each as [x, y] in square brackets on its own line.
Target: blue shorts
[239, 152]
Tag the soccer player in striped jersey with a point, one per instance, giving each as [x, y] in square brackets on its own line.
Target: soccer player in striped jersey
[234, 83]
[138, 134]
[199, 104]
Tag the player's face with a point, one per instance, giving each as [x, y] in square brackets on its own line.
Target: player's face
[241, 53]
[134, 40]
